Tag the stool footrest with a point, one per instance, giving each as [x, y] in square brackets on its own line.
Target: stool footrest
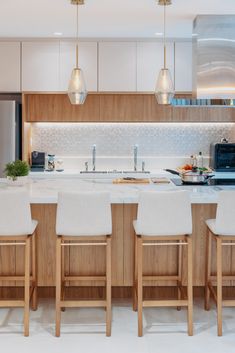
[14, 278]
[228, 303]
[156, 303]
[12, 303]
[161, 278]
[85, 278]
[83, 303]
[224, 278]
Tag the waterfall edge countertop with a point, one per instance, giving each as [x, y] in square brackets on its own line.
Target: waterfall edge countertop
[44, 190]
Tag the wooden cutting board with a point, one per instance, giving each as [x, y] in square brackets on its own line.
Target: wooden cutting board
[131, 181]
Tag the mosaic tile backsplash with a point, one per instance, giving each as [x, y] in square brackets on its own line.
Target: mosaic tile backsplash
[154, 140]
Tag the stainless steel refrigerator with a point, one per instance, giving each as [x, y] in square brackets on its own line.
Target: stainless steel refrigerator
[10, 133]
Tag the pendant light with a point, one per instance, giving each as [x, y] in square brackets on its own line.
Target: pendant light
[164, 91]
[77, 88]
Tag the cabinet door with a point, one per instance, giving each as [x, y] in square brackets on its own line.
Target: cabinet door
[150, 60]
[183, 66]
[40, 66]
[117, 66]
[10, 67]
[87, 61]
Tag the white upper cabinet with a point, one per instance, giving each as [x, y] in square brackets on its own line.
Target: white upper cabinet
[150, 60]
[183, 66]
[117, 66]
[40, 66]
[10, 67]
[107, 66]
[87, 61]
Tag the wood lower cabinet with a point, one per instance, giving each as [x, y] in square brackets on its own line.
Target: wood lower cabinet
[157, 260]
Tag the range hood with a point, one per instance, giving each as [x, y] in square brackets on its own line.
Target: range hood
[214, 57]
[213, 62]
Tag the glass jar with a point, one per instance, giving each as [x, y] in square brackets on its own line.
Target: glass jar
[51, 162]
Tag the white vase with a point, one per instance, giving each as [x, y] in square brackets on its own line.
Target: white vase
[19, 181]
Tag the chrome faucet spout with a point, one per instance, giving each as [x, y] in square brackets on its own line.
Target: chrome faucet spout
[135, 157]
[94, 157]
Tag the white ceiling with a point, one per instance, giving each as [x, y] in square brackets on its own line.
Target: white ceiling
[104, 18]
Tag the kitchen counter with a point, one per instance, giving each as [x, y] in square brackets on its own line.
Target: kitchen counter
[44, 187]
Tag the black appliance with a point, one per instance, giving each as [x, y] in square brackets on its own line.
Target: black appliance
[38, 161]
[222, 157]
[210, 182]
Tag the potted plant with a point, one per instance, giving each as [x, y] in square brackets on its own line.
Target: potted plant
[17, 172]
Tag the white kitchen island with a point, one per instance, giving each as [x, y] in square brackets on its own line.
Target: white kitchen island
[124, 198]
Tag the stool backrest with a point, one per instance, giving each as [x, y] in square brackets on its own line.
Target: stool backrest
[15, 213]
[225, 215]
[83, 214]
[164, 213]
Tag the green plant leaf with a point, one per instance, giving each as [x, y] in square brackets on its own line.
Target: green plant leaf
[16, 169]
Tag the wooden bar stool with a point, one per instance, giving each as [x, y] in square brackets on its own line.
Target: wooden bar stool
[222, 230]
[83, 219]
[164, 219]
[18, 229]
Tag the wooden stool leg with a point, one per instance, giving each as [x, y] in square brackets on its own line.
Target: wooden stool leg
[135, 276]
[62, 274]
[208, 270]
[179, 283]
[140, 285]
[34, 272]
[58, 285]
[190, 286]
[219, 284]
[108, 288]
[27, 287]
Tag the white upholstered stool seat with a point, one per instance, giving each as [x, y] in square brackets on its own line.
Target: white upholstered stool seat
[83, 219]
[18, 229]
[164, 218]
[84, 214]
[163, 213]
[222, 231]
[7, 231]
[211, 224]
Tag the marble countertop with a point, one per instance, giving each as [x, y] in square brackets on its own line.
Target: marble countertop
[45, 189]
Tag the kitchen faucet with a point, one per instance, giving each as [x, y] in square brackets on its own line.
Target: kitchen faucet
[93, 157]
[135, 157]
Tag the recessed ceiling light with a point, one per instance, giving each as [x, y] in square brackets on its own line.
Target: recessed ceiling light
[194, 34]
[58, 33]
[158, 34]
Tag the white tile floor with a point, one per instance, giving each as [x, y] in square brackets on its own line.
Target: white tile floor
[83, 331]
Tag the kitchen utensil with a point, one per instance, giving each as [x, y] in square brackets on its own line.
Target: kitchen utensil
[130, 180]
[192, 177]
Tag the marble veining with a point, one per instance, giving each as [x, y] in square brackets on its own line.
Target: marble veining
[45, 190]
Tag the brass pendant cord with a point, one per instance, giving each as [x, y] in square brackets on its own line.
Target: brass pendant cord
[77, 41]
[164, 36]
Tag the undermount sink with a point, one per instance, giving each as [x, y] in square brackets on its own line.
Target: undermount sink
[114, 172]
